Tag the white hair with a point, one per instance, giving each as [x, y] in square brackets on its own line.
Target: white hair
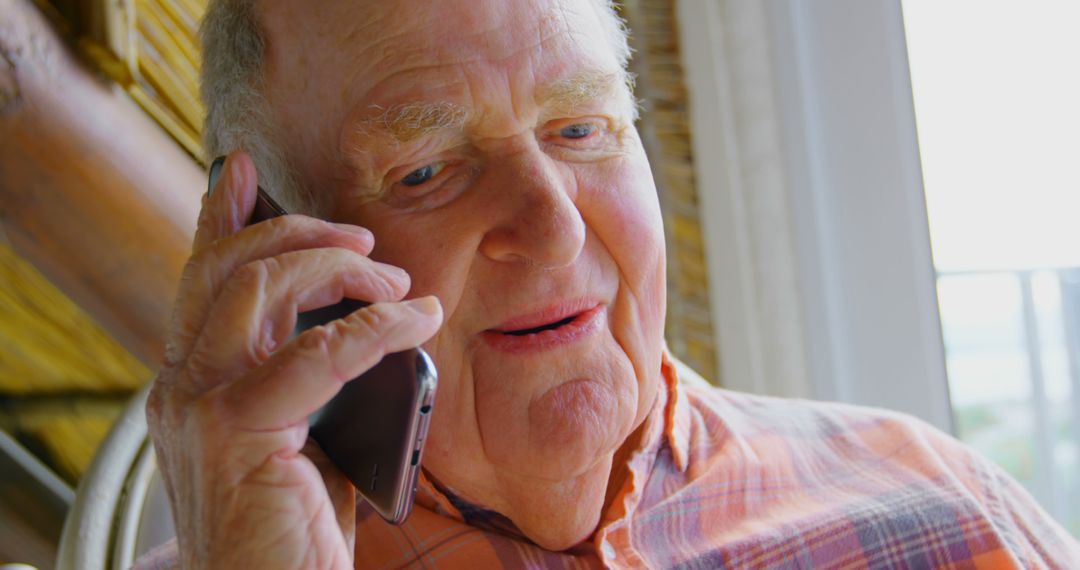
[237, 114]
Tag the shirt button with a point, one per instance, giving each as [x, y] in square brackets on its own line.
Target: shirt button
[608, 550]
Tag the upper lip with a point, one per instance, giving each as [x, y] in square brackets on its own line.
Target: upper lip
[550, 314]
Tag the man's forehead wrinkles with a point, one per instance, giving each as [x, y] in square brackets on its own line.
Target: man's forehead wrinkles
[358, 29]
[499, 41]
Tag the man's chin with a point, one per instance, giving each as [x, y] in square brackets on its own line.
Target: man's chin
[576, 425]
[555, 418]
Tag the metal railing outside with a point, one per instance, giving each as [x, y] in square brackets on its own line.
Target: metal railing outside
[1012, 340]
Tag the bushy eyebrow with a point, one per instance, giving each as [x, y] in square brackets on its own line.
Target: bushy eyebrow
[409, 121]
[579, 90]
[566, 95]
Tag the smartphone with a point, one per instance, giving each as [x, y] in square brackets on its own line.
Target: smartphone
[374, 428]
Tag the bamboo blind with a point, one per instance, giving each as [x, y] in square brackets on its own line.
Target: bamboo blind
[151, 48]
[50, 349]
[667, 134]
[48, 345]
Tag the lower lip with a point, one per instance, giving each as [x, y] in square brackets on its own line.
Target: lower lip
[585, 324]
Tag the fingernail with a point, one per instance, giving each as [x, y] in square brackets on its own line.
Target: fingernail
[214, 174]
[427, 306]
[357, 230]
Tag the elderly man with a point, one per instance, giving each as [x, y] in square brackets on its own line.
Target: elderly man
[479, 158]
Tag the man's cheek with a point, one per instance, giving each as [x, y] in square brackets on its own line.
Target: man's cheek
[621, 198]
[452, 446]
[624, 212]
[436, 266]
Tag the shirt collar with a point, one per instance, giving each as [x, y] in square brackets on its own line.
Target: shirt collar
[676, 412]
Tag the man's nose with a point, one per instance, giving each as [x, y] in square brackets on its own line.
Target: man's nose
[538, 221]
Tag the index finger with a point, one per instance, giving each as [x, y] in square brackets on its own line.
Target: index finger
[228, 205]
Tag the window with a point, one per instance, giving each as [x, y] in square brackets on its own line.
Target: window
[997, 104]
[824, 280]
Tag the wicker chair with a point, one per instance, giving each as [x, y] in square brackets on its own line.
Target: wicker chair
[121, 510]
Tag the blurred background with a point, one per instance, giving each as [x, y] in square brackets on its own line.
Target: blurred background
[998, 136]
[870, 201]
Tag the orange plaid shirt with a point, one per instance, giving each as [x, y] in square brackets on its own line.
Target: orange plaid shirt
[729, 480]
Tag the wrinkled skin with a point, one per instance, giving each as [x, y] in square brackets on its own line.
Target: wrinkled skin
[520, 212]
[228, 412]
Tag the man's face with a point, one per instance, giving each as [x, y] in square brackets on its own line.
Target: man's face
[489, 147]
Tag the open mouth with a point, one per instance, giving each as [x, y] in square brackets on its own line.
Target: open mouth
[542, 328]
[525, 336]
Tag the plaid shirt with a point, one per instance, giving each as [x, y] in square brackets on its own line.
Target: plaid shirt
[728, 480]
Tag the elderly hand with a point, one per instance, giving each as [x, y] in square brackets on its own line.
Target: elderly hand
[228, 412]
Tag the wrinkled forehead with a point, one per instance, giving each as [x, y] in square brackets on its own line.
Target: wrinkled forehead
[356, 45]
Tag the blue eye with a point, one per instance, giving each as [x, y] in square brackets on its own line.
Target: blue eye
[578, 131]
[422, 175]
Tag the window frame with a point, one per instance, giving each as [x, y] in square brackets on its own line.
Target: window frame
[815, 227]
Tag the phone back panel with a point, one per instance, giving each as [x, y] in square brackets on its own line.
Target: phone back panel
[373, 429]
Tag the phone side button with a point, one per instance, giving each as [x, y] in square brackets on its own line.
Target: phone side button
[415, 456]
[425, 423]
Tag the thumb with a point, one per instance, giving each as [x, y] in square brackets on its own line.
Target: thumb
[227, 206]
